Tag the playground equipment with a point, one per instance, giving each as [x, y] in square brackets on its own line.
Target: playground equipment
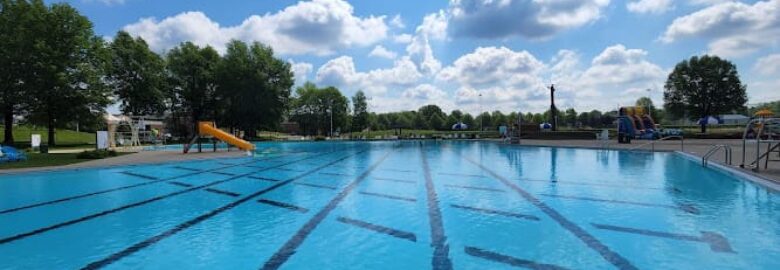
[634, 123]
[207, 128]
[762, 129]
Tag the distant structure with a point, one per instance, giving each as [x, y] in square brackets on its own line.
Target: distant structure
[553, 110]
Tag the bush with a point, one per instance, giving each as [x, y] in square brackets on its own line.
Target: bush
[96, 154]
[319, 138]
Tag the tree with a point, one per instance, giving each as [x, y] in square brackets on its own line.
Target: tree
[647, 103]
[70, 70]
[253, 87]
[22, 26]
[584, 118]
[704, 86]
[192, 77]
[136, 76]
[570, 117]
[312, 108]
[437, 122]
[359, 111]
[484, 120]
[469, 121]
[498, 119]
[428, 111]
[420, 122]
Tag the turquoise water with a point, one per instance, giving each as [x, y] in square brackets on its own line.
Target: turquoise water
[392, 205]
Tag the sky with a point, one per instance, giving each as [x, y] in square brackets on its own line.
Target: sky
[474, 55]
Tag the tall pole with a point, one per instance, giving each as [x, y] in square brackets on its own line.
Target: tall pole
[553, 111]
[330, 108]
[481, 119]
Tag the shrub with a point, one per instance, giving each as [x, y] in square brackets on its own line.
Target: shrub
[96, 154]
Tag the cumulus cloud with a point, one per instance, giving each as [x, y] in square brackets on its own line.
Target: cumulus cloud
[768, 65]
[341, 72]
[397, 21]
[532, 19]
[318, 27]
[402, 38]
[419, 50]
[649, 6]
[490, 65]
[733, 29]
[301, 71]
[382, 52]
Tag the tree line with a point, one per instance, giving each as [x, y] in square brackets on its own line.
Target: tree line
[56, 71]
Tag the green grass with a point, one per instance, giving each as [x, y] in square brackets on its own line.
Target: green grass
[64, 137]
[35, 160]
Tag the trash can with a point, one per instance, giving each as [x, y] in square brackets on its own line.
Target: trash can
[44, 148]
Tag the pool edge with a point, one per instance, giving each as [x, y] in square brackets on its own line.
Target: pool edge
[755, 178]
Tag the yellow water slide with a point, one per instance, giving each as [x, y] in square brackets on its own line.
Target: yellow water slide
[209, 128]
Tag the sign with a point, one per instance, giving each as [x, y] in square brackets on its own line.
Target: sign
[35, 140]
[102, 139]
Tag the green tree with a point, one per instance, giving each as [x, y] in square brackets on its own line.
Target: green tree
[704, 86]
[136, 76]
[437, 122]
[469, 121]
[647, 103]
[429, 111]
[21, 30]
[420, 122]
[570, 117]
[498, 119]
[192, 72]
[313, 107]
[71, 66]
[484, 121]
[359, 111]
[253, 87]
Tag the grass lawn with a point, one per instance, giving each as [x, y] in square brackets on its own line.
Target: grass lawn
[46, 160]
[65, 138]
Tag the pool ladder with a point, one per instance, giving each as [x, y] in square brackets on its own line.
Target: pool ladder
[726, 150]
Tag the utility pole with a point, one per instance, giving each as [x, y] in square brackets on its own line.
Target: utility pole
[553, 110]
[330, 108]
[481, 119]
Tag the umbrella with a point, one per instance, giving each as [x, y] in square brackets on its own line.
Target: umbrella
[545, 126]
[459, 126]
[764, 113]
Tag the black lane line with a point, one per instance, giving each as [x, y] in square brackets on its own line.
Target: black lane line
[463, 175]
[186, 168]
[288, 249]
[224, 173]
[476, 188]
[192, 222]
[675, 190]
[114, 210]
[612, 257]
[394, 180]
[380, 229]
[684, 207]
[147, 177]
[387, 196]
[441, 250]
[496, 212]
[263, 178]
[222, 192]
[505, 259]
[225, 163]
[283, 205]
[288, 170]
[177, 183]
[315, 186]
[114, 189]
[336, 174]
[716, 241]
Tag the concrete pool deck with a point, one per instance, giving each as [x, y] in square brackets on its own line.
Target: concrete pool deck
[696, 147]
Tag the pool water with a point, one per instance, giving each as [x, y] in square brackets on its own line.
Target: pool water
[392, 205]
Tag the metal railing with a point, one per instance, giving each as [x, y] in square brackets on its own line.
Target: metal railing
[652, 143]
[726, 150]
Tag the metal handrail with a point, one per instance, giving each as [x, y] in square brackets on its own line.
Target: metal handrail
[652, 143]
[726, 150]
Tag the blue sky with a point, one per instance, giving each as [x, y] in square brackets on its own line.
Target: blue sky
[475, 54]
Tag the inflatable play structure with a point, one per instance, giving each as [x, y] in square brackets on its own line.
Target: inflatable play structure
[635, 123]
[10, 154]
[209, 129]
[763, 129]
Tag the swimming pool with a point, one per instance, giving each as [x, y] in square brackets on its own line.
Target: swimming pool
[392, 205]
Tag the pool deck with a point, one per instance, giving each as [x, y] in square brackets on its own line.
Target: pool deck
[696, 147]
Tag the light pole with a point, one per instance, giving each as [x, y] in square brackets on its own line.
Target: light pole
[330, 110]
[481, 119]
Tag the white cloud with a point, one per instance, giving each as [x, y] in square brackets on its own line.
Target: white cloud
[768, 65]
[532, 19]
[397, 21]
[402, 38]
[319, 27]
[419, 50]
[107, 2]
[732, 29]
[382, 52]
[491, 65]
[649, 6]
[434, 25]
[341, 72]
[301, 71]
[424, 92]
